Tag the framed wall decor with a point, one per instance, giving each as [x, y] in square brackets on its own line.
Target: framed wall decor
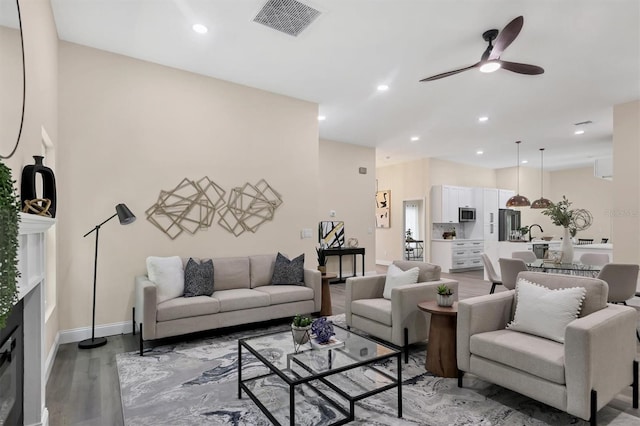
[383, 209]
[331, 234]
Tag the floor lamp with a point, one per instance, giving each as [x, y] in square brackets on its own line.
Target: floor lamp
[126, 217]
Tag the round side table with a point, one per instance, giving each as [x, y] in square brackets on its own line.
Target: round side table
[325, 307]
[441, 346]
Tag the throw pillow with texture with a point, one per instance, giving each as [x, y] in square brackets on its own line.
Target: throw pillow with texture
[287, 271]
[545, 312]
[168, 276]
[397, 277]
[198, 278]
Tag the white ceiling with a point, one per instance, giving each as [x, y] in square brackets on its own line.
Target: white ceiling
[590, 50]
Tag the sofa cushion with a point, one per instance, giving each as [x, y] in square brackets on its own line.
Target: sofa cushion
[287, 271]
[378, 310]
[198, 278]
[168, 276]
[397, 277]
[535, 355]
[240, 298]
[428, 272]
[230, 273]
[182, 307]
[262, 269]
[545, 312]
[286, 293]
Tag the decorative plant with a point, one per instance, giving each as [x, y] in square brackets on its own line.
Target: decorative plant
[322, 259]
[9, 218]
[301, 321]
[561, 215]
[444, 290]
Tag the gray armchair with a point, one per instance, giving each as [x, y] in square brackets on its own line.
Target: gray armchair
[398, 321]
[579, 376]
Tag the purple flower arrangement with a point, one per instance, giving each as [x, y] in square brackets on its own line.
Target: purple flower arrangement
[322, 329]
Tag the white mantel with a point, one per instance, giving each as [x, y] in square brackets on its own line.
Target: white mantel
[31, 264]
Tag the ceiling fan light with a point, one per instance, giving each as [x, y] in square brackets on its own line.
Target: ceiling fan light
[490, 66]
[518, 201]
[541, 203]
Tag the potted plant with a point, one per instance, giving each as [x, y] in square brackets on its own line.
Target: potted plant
[300, 327]
[445, 295]
[322, 260]
[9, 218]
[571, 220]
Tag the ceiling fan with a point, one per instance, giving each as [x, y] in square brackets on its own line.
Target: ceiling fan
[490, 60]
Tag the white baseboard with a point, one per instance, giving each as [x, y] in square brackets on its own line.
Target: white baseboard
[384, 262]
[48, 363]
[79, 334]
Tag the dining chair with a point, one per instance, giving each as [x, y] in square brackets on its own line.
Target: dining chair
[584, 241]
[491, 273]
[528, 256]
[622, 279]
[595, 259]
[509, 270]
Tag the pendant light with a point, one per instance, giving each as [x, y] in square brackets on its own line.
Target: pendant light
[518, 200]
[541, 203]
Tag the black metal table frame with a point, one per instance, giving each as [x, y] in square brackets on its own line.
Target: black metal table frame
[342, 252]
[349, 415]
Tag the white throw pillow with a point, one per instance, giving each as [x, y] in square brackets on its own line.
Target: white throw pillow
[397, 277]
[545, 312]
[168, 275]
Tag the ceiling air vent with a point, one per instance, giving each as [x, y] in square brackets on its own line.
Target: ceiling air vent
[288, 16]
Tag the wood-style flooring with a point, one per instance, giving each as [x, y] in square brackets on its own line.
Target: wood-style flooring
[83, 387]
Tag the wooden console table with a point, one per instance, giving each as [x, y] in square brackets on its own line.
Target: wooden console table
[342, 252]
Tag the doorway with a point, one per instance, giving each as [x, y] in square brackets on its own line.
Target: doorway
[414, 229]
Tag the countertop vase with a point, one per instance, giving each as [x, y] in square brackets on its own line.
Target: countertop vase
[567, 247]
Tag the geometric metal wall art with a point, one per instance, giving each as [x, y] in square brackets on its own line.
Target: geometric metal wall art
[192, 205]
[248, 207]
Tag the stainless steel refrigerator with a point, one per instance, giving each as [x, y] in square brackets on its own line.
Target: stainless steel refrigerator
[508, 223]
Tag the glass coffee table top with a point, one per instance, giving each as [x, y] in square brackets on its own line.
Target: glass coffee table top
[564, 268]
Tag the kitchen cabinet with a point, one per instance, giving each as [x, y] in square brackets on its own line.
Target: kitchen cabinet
[503, 197]
[445, 201]
[457, 255]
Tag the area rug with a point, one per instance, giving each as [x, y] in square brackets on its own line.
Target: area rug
[195, 383]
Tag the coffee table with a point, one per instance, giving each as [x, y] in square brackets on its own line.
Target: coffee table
[283, 380]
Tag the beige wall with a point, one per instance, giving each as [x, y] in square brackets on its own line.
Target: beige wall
[506, 178]
[625, 206]
[449, 173]
[130, 129]
[351, 195]
[41, 65]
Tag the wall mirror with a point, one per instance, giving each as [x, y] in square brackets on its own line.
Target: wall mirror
[11, 77]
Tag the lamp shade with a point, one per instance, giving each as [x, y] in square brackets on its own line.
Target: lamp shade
[518, 201]
[541, 203]
[124, 214]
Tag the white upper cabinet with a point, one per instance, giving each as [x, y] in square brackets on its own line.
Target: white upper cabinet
[465, 197]
[444, 203]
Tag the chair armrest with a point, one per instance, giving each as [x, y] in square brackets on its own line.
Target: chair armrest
[146, 306]
[405, 312]
[367, 287]
[313, 280]
[599, 353]
[479, 315]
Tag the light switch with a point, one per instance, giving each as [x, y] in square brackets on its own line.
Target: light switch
[306, 233]
[332, 213]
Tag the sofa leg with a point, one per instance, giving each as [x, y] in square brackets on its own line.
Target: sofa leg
[493, 288]
[460, 375]
[594, 407]
[141, 343]
[406, 345]
[133, 319]
[635, 384]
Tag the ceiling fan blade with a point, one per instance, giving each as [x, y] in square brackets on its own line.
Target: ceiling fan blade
[506, 37]
[447, 74]
[522, 68]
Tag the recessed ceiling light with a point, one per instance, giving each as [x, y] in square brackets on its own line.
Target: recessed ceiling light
[415, 138]
[383, 88]
[578, 132]
[200, 29]
[322, 118]
[483, 119]
[479, 152]
[525, 161]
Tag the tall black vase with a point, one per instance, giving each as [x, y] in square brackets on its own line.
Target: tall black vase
[28, 185]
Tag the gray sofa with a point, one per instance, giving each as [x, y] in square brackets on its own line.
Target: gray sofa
[242, 294]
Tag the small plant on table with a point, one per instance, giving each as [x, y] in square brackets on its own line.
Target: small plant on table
[445, 295]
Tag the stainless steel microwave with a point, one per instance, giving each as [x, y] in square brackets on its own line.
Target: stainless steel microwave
[466, 214]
